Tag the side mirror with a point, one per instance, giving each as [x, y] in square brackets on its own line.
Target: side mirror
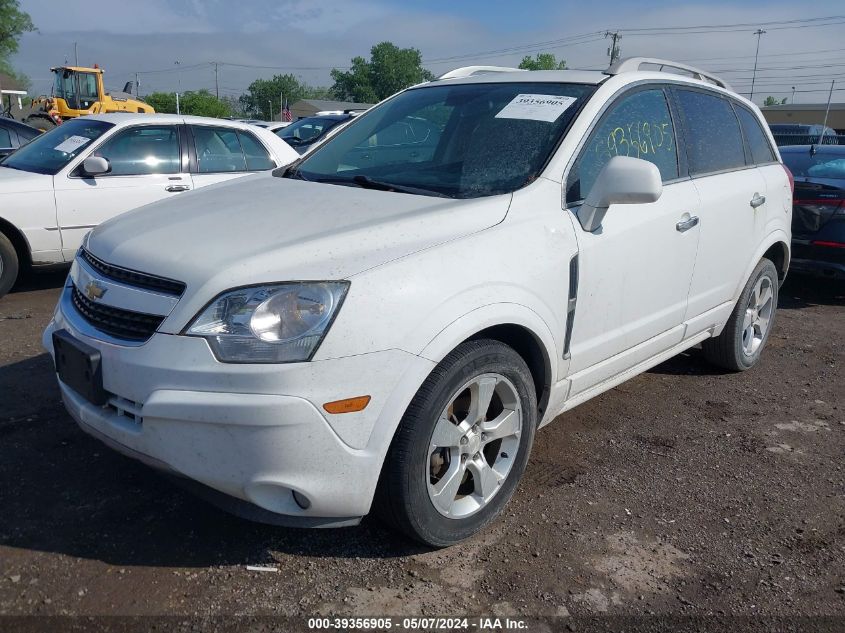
[624, 180]
[96, 166]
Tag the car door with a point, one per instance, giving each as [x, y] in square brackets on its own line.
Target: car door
[634, 271]
[223, 153]
[733, 194]
[146, 165]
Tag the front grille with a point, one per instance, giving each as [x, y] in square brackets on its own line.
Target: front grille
[125, 324]
[133, 277]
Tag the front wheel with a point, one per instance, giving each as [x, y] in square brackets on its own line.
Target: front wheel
[462, 445]
[740, 344]
[45, 124]
[8, 265]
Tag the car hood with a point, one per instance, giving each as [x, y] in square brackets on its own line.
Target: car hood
[265, 229]
[17, 181]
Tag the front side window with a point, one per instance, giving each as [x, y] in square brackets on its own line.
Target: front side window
[638, 125]
[458, 140]
[50, 152]
[758, 143]
[5, 138]
[218, 150]
[713, 139]
[143, 150]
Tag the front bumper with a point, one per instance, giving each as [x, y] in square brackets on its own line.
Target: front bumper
[255, 433]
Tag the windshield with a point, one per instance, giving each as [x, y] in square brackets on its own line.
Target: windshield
[51, 151]
[461, 141]
[306, 130]
[818, 165]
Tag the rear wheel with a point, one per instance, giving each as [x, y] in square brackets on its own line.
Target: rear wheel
[8, 265]
[740, 344]
[462, 446]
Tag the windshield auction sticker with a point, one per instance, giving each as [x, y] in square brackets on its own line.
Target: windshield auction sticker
[536, 107]
[71, 144]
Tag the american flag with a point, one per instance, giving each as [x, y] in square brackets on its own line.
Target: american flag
[286, 115]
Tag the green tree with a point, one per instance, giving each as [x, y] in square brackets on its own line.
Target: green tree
[543, 61]
[770, 101]
[199, 103]
[389, 70]
[13, 24]
[263, 95]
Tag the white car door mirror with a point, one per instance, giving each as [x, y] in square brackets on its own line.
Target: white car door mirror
[96, 166]
[624, 180]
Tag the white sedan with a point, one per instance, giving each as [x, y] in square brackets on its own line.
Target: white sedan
[90, 169]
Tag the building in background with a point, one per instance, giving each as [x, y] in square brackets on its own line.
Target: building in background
[310, 107]
[807, 113]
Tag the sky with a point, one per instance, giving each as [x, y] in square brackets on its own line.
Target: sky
[307, 38]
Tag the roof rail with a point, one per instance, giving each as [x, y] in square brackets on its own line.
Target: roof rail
[632, 64]
[471, 71]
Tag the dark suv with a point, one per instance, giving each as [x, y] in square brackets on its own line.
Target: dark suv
[818, 219]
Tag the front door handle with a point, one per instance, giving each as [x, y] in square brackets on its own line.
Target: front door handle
[757, 200]
[174, 188]
[686, 225]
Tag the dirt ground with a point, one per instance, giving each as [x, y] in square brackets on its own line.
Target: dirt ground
[684, 491]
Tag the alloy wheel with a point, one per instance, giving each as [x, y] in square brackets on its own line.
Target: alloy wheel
[473, 446]
[758, 316]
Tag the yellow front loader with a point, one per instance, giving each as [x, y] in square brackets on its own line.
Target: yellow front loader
[78, 91]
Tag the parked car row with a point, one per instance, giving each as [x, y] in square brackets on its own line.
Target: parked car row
[384, 323]
[89, 169]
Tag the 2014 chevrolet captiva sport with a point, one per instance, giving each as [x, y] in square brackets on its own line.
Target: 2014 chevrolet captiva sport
[384, 324]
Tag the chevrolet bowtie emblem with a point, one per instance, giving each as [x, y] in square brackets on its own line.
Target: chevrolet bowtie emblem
[95, 290]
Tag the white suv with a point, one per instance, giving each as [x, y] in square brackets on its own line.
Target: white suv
[385, 325]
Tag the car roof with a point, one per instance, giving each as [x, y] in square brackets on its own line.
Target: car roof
[805, 149]
[125, 118]
[591, 77]
[17, 125]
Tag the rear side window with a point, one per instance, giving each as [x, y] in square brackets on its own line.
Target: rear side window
[637, 125]
[5, 138]
[761, 151]
[713, 138]
[257, 157]
[218, 150]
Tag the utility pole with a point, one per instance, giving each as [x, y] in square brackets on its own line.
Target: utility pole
[76, 53]
[758, 33]
[281, 106]
[179, 84]
[271, 109]
[614, 51]
[216, 81]
[827, 111]
[793, 95]
[137, 86]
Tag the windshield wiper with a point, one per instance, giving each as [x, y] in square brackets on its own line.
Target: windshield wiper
[368, 183]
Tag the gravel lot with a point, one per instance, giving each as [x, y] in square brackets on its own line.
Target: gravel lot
[684, 491]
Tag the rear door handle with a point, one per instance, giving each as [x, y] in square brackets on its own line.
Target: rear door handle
[174, 188]
[757, 200]
[686, 225]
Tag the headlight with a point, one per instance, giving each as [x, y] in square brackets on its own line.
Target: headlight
[280, 323]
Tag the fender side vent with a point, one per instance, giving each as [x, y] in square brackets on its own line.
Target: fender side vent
[570, 308]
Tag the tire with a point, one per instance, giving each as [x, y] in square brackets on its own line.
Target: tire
[740, 344]
[41, 123]
[9, 265]
[422, 468]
